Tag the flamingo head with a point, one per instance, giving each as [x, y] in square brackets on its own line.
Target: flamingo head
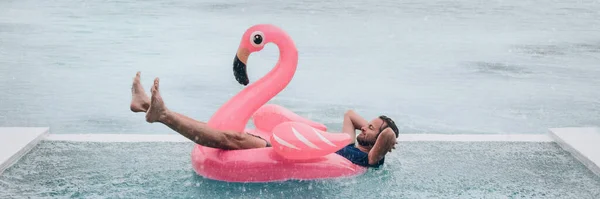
[253, 40]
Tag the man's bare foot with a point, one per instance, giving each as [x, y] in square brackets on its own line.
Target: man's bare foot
[140, 102]
[157, 109]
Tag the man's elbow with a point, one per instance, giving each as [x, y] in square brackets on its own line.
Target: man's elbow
[374, 160]
[349, 112]
[372, 163]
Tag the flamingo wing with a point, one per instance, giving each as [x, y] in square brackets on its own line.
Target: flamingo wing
[267, 117]
[299, 141]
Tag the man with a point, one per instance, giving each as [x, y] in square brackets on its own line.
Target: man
[377, 137]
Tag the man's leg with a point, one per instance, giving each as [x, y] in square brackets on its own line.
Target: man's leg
[197, 131]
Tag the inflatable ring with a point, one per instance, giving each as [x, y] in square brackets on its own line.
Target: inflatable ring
[301, 149]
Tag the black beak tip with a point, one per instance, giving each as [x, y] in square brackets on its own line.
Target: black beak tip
[239, 71]
[242, 81]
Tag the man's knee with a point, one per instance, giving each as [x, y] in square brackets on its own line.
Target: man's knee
[219, 139]
[233, 140]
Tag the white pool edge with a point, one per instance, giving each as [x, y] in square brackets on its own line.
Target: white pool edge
[401, 138]
[583, 143]
[14, 146]
[117, 137]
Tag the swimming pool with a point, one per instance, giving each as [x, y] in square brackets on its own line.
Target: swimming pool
[59, 167]
[456, 67]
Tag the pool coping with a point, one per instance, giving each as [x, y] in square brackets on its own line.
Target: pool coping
[578, 141]
[15, 142]
[401, 137]
[582, 143]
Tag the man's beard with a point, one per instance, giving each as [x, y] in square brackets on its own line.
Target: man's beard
[363, 142]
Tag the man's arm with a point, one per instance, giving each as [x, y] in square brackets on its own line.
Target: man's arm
[385, 142]
[352, 122]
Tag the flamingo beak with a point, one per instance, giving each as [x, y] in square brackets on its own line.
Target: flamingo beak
[239, 66]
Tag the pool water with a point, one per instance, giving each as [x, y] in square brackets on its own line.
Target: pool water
[415, 170]
[446, 67]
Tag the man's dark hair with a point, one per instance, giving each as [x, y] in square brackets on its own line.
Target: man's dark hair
[390, 123]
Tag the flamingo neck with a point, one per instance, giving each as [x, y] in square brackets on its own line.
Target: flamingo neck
[236, 112]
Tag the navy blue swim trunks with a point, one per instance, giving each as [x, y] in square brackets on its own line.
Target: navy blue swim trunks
[357, 156]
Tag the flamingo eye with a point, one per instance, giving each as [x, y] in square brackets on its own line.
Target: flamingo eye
[257, 38]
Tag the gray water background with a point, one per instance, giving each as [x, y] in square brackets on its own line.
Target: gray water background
[433, 66]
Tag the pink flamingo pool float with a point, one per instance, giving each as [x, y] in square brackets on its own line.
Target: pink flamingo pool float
[301, 148]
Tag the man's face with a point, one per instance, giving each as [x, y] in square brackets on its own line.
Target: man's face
[368, 134]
